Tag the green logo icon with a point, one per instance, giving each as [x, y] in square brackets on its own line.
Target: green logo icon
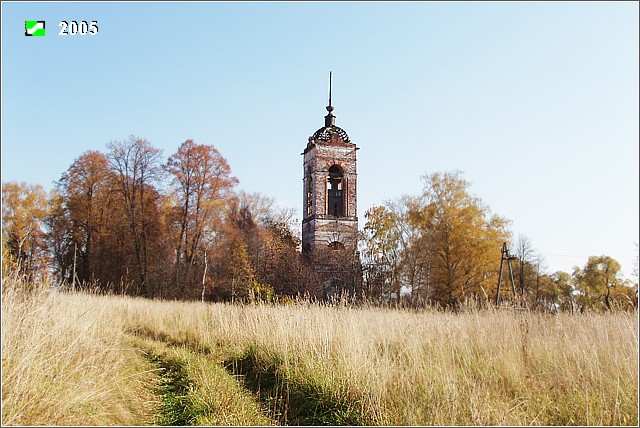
[34, 28]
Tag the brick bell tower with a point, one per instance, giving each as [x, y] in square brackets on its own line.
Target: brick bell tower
[330, 222]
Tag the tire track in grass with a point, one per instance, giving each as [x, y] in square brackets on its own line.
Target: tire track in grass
[287, 401]
[194, 389]
[177, 408]
[290, 401]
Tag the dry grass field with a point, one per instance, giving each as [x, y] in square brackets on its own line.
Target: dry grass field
[71, 359]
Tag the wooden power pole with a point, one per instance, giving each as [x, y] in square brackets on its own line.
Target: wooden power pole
[508, 258]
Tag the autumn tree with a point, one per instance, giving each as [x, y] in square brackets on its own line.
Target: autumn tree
[246, 221]
[234, 273]
[272, 244]
[548, 294]
[281, 259]
[465, 239]
[417, 248]
[441, 246]
[596, 281]
[565, 290]
[382, 253]
[202, 183]
[396, 253]
[263, 209]
[24, 208]
[83, 189]
[524, 266]
[59, 237]
[136, 166]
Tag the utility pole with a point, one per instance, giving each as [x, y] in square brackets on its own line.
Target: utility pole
[508, 258]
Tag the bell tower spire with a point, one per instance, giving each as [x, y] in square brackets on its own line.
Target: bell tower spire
[329, 119]
[330, 79]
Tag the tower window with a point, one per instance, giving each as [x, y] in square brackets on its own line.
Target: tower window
[309, 196]
[335, 203]
[336, 245]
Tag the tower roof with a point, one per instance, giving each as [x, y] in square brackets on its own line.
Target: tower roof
[326, 132]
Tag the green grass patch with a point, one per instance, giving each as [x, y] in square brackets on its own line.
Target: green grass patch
[174, 387]
[196, 390]
[290, 400]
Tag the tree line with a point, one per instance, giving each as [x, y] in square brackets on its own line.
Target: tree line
[128, 221]
[444, 247]
[124, 221]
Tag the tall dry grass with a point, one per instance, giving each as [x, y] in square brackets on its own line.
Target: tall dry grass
[66, 361]
[491, 367]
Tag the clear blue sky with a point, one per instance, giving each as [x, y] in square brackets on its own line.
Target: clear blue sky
[537, 103]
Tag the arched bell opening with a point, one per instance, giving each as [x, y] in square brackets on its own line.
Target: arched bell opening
[335, 192]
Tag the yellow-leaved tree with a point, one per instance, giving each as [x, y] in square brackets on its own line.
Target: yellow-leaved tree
[465, 239]
[597, 282]
[24, 208]
[441, 247]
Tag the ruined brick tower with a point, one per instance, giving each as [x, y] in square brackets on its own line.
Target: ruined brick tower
[330, 222]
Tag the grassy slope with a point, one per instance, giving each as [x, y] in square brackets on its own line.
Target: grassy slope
[68, 360]
[65, 361]
[91, 360]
